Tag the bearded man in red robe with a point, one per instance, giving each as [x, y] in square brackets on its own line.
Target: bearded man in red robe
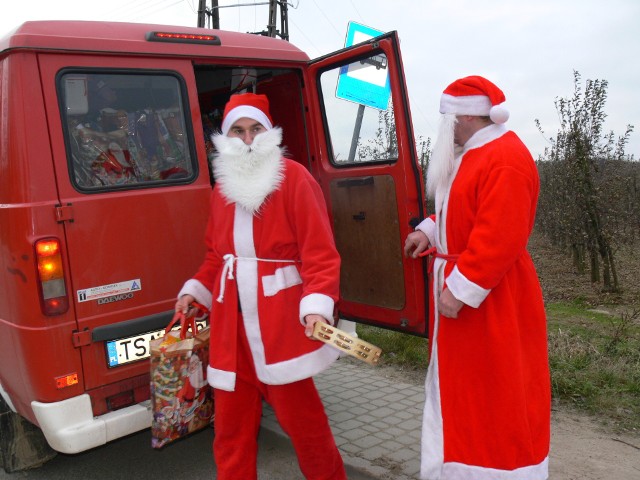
[487, 408]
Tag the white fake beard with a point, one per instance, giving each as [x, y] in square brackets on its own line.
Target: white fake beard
[247, 174]
[442, 161]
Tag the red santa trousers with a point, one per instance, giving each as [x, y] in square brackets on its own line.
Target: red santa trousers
[299, 411]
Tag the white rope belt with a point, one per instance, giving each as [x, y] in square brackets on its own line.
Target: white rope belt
[227, 269]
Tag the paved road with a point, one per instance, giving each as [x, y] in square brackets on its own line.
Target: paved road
[133, 458]
[375, 420]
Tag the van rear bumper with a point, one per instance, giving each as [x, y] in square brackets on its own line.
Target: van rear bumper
[70, 427]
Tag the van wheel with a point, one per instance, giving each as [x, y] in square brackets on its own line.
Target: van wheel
[22, 444]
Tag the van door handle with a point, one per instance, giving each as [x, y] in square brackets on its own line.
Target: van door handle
[355, 182]
[360, 216]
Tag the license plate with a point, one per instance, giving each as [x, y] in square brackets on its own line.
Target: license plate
[132, 349]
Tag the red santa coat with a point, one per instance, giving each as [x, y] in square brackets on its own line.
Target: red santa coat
[270, 247]
[487, 409]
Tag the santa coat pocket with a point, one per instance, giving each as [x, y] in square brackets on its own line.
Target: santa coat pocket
[281, 279]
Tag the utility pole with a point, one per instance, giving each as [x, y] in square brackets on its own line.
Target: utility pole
[214, 14]
[284, 19]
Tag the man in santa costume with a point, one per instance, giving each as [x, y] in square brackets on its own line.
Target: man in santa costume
[487, 408]
[270, 273]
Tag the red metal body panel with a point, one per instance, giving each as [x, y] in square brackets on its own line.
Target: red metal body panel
[149, 233]
[129, 38]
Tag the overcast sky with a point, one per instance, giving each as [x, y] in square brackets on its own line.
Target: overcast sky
[529, 48]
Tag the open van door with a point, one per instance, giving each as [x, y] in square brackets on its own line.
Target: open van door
[371, 178]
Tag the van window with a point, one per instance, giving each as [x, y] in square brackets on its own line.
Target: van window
[125, 130]
[359, 133]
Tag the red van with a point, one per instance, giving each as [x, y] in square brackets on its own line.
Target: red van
[104, 191]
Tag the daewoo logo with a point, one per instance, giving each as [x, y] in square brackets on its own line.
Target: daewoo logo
[115, 298]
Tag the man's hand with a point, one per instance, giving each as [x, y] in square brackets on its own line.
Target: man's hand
[182, 305]
[310, 321]
[416, 243]
[448, 305]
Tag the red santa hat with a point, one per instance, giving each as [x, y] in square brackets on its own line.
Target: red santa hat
[246, 105]
[475, 96]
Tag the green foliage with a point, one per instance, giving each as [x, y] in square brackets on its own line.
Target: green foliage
[398, 348]
[594, 359]
[595, 362]
[584, 201]
[384, 146]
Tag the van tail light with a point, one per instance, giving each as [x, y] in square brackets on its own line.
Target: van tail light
[53, 289]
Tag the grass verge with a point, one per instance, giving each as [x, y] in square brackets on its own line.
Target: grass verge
[594, 356]
[595, 362]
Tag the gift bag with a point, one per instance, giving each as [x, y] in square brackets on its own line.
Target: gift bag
[181, 398]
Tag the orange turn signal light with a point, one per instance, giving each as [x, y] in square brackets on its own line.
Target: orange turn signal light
[67, 380]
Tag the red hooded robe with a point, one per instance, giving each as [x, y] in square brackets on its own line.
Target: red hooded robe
[269, 246]
[487, 409]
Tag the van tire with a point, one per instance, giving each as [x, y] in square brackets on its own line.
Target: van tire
[22, 444]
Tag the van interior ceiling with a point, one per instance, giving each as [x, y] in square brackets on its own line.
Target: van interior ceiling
[283, 87]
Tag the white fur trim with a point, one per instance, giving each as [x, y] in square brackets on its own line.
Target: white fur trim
[499, 114]
[221, 379]
[477, 105]
[460, 471]
[247, 277]
[246, 267]
[282, 278]
[244, 111]
[317, 303]
[298, 368]
[198, 291]
[428, 227]
[432, 440]
[465, 290]
[485, 135]
[247, 174]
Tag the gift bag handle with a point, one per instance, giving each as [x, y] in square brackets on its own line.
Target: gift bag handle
[187, 322]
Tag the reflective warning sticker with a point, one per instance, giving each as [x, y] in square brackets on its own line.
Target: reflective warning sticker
[94, 293]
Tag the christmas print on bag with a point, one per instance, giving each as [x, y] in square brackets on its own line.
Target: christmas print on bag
[181, 398]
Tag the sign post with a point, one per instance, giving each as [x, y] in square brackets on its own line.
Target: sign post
[365, 82]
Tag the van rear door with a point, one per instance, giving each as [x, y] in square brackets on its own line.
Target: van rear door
[133, 187]
[370, 173]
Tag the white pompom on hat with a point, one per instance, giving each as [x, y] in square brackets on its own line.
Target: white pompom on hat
[246, 105]
[475, 96]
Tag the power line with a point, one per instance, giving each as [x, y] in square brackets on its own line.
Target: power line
[131, 12]
[159, 9]
[124, 10]
[320, 52]
[328, 20]
[354, 7]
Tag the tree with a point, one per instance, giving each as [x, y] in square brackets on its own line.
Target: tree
[384, 145]
[572, 211]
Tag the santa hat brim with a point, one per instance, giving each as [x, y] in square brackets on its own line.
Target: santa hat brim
[476, 105]
[245, 111]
